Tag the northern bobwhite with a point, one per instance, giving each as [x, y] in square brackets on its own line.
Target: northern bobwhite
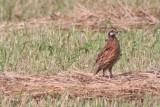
[109, 55]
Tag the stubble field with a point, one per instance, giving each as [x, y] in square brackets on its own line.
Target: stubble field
[48, 49]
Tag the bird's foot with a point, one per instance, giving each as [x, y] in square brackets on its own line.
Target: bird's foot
[110, 76]
[103, 75]
[94, 74]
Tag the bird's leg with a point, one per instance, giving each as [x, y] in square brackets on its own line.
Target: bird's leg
[104, 73]
[110, 72]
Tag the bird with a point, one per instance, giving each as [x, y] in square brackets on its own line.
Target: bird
[109, 54]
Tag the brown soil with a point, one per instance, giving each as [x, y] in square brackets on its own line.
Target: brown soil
[130, 85]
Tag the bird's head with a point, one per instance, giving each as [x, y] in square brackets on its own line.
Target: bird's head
[112, 33]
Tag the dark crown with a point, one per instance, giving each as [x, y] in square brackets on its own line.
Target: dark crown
[112, 32]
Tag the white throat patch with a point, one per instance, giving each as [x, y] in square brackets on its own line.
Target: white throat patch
[111, 33]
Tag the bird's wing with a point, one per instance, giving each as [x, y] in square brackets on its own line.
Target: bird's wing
[103, 53]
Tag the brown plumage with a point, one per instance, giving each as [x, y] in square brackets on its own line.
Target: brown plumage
[109, 55]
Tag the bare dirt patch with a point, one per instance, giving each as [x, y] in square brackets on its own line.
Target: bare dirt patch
[130, 85]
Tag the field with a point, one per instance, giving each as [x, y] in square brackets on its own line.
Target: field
[48, 49]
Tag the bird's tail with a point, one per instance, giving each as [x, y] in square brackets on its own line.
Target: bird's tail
[96, 70]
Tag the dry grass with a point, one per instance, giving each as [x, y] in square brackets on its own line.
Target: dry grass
[119, 15]
[130, 85]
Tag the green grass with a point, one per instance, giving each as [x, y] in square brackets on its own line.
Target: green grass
[57, 51]
[18, 10]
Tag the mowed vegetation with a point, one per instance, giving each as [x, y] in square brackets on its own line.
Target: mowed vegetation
[51, 50]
